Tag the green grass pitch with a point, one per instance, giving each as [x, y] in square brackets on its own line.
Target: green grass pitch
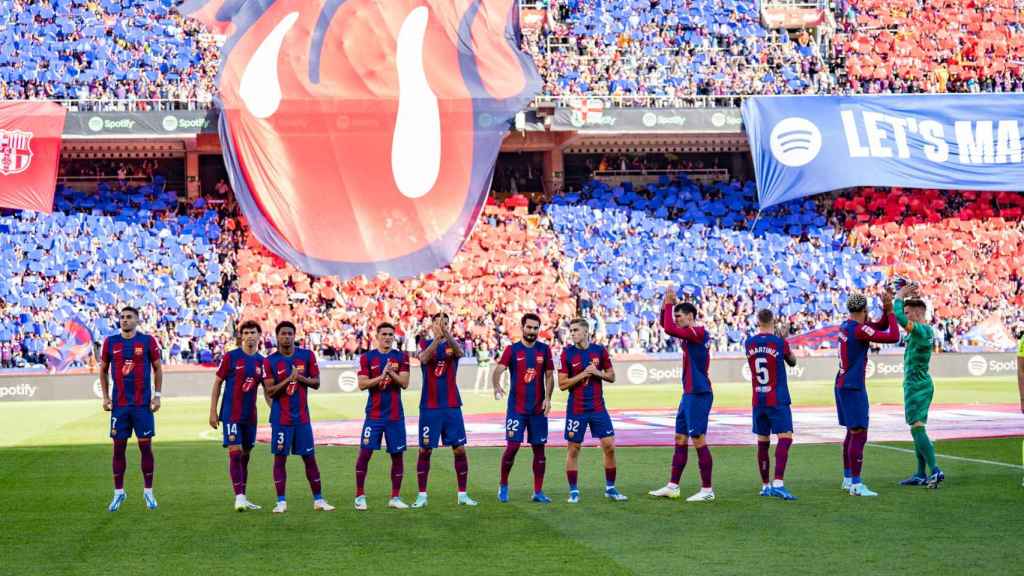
[55, 481]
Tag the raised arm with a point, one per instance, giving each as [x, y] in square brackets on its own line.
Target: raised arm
[693, 334]
[890, 335]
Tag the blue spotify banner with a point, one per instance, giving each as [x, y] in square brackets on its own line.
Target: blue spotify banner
[804, 145]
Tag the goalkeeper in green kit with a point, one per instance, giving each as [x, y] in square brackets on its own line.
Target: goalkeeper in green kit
[917, 383]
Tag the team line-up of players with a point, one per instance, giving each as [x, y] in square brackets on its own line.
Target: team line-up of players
[128, 359]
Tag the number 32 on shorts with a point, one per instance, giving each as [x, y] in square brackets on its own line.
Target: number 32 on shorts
[572, 426]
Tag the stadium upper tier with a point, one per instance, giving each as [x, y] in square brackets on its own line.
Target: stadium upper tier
[141, 54]
[104, 50]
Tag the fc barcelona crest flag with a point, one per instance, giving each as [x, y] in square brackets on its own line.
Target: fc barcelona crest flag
[30, 139]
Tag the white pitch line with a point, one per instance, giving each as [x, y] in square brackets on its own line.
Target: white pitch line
[947, 456]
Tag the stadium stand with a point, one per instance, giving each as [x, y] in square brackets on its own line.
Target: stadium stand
[898, 46]
[105, 53]
[106, 249]
[639, 52]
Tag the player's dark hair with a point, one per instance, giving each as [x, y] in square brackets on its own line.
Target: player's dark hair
[765, 316]
[915, 303]
[580, 322]
[384, 325]
[250, 325]
[282, 325]
[529, 316]
[131, 309]
[686, 308]
[440, 314]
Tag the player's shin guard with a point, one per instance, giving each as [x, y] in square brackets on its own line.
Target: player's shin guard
[679, 458]
[857, 442]
[846, 454]
[539, 467]
[508, 458]
[146, 450]
[924, 446]
[397, 473]
[312, 475]
[362, 462]
[280, 474]
[235, 469]
[572, 476]
[609, 476]
[120, 462]
[462, 470]
[763, 461]
[704, 461]
[781, 457]
[423, 469]
[245, 469]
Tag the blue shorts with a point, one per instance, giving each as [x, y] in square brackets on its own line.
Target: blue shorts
[393, 431]
[576, 426]
[852, 407]
[535, 426]
[125, 419]
[770, 420]
[297, 439]
[693, 412]
[239, 434]
[442, 424]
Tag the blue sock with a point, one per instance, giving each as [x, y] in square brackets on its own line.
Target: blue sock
[846, 472]
[280, 498]
[856, 480]
[317, 496]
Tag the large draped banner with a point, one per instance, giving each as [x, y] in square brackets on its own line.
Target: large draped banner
[361, 135]
[804, 145]
[30, 140]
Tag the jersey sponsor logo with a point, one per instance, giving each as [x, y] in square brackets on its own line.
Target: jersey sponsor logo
[439, 368]
[126, 368]
[15, 151]
[529, 375]
[248, 384]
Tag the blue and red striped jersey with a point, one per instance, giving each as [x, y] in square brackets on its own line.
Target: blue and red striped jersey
[385, 400]
[589, 395]
[440, 388]
[696, 356]
[766, 356]
[290, 406]
[527, 366]
[854, 343]
[242, 375]
[131, 365]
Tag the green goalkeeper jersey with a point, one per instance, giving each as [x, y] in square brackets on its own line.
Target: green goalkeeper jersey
[918, 352]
